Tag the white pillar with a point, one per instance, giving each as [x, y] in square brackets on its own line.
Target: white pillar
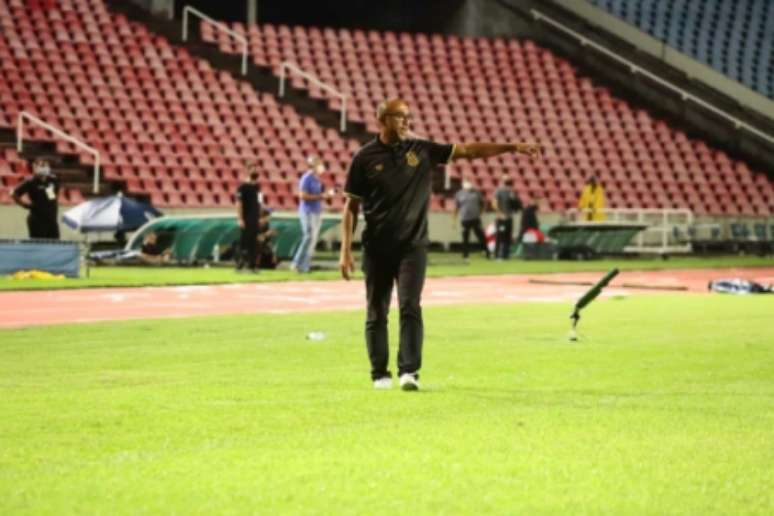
[252, 12]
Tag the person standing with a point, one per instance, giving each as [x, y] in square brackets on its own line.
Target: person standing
[311, 195]
[266, 257]
[506, 204]
[468, 203]
[390, 177]
[591, 203]
[530, 223]
[42, 191]
[248, 199]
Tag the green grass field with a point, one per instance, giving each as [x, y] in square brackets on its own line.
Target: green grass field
[665, 406]
[441, 264]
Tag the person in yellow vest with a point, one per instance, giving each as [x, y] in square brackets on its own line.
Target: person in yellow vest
[592, 201]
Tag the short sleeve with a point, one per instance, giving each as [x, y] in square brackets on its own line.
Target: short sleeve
[240, 193]
[356, 185]
[458, 198]
[305, 184]
[23, 188]
[439, 153]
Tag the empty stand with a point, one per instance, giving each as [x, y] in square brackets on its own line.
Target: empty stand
[736, 37]
[498, 89]
[175, 128]
[164, 121]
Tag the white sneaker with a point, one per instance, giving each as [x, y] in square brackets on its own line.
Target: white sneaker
[408, 382]
[383, 383]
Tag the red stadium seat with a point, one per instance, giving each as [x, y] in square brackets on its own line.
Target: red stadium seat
[156, 111]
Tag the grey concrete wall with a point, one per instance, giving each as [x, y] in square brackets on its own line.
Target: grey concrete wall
[477, 18]
[158, 7]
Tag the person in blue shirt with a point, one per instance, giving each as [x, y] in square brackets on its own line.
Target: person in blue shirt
[311, 194]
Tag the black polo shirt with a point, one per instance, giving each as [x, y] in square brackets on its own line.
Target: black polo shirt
[529, 218]
[151, 249]
[393, 184]
[42, 193]
[249, 195]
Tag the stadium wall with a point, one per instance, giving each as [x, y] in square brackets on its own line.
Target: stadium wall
[13, 224]
[444, 232]
[461, 17]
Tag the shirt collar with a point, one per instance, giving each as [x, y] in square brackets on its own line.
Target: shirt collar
[395, 147]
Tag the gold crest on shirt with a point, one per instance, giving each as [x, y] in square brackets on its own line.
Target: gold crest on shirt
[412, 159]
[378, 167]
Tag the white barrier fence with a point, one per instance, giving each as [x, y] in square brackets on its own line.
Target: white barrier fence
[239, 37]
[61, 134]
[287, 65]
[658, 237]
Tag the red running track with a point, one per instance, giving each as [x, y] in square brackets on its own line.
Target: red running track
[33, 308]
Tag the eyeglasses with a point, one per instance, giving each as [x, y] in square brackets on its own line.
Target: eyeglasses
[401, 116]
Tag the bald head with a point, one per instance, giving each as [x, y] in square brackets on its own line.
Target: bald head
[394, 117]
[386, 106]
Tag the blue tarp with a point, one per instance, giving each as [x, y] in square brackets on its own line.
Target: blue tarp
[109, 214]
[56, 257]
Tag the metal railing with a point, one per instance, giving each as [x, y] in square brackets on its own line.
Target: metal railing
[633, 68]
[239, 37]
[35, 120]
[659, 221]
[287, 65]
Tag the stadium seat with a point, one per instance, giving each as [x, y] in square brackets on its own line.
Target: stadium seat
[167, 122]
[130, 97]
[744, 49]
[546, 100]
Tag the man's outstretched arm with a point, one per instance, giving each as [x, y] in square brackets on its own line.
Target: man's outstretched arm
[475, 150]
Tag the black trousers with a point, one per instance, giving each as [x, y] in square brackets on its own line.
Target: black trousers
[248, 247]
[504, 235]
[474, 226]
[383, 270]
[42, 227]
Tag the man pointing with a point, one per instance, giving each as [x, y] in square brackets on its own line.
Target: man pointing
[390, 178]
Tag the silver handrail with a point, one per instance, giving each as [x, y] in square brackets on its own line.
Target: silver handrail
[633, 68]
[35, 120]
[239, 37]
[287, 65]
